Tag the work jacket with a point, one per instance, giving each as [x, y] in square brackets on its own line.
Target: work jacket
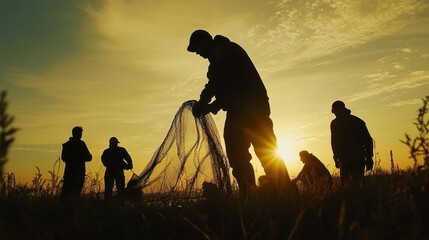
[233, 80]
[313, 171]
[75, 153]
[350, 138]
[116, 158]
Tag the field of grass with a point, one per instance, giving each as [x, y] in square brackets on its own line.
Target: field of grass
[389, 206]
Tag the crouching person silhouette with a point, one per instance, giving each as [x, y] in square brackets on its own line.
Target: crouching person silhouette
[238, 89]
[314, 173]
[115, 159]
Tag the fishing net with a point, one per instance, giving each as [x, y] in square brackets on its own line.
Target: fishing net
[189, 157]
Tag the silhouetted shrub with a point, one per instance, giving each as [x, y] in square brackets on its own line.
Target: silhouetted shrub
[6, 132]
[419, 145]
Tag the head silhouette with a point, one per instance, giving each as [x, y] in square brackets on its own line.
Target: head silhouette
[200, 43]
[113, 142]
[338, 107]
[77, 132]
[304, 154]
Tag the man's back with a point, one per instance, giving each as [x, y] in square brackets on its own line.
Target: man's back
[113, 157]
[75, 152]
[233, 77]
[349, 136]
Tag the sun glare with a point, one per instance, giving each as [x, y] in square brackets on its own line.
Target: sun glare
[286, 150]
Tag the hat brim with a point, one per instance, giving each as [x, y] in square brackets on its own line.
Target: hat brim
[191, 48]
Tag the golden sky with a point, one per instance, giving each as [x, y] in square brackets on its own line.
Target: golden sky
[120, 68]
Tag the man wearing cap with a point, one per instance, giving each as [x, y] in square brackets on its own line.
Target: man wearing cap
[115, 159]
[75, 154]
[314, 172]
[238, 89]
[351, 143]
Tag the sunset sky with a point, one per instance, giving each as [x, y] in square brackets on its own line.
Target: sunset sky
[120, 68]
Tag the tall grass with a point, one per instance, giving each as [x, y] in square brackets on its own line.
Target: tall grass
[392, 204]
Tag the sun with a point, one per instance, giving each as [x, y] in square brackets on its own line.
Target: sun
[286, 150]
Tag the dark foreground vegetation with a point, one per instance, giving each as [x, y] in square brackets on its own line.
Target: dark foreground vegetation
[391, 205]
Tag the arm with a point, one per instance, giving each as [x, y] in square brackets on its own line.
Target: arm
[207, 93]
[334, 145]
[104, 159]
[87, 155]
[368, 143]
[202, 107]
[127, 159]
[368, 148]
[300, 175]
[65, 153]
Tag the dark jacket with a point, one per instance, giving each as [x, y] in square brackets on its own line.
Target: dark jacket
[233, 80]
[313, 171]
[75, 153]
[116, 158]
[350, 138]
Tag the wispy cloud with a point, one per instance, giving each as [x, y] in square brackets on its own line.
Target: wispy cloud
[36, 148]
[311, 29]
[404, 103]
[381, 83]
[406, 50]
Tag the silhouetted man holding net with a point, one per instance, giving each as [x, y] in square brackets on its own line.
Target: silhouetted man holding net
[238, 89]
[75, 154]
[314, 172]
[115, 159]
[351, 144]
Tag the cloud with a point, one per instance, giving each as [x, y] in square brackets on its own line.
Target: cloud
[404, 103]
[310, 29]
[36, 148]
[379, 77]
[406, 50]
[381, 83]
[398, 66]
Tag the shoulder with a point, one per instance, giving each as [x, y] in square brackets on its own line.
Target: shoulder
[223, 46]
[314, 158]
[122, 149]
[82, 143]
[334, 122]
[357, 119]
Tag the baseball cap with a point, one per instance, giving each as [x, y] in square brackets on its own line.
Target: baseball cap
[338, 106]
[113, 140]
[196, 38]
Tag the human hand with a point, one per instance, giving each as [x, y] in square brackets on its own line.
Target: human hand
[196, 110]
[199, 109]
[214, 110]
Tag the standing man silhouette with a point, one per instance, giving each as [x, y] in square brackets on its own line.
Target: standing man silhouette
[351, 144]
[115, 159]
[75, 154]
[238, 89]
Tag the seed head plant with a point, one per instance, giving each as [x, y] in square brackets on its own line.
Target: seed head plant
[419, 145]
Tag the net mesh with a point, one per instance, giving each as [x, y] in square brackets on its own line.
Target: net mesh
[189, 156]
